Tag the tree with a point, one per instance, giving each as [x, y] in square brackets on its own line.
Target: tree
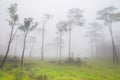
[75, 18]
[45, 20]
[118, 44]
[56, 43]
[95, 35]
[27, 27]
[12, 22]
[109, 15]
[16, 39]
[32, 40]
[61, 26]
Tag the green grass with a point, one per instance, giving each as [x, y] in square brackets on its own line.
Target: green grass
[38, 70]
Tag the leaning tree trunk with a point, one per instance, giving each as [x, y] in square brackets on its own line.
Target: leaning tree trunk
[69, 43]
[24, 45]
[60, 49]
[115, 56]
[42, 48]
[8, 48]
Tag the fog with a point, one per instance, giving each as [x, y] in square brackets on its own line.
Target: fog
[36, 9]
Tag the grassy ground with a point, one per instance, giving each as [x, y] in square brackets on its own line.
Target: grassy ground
[47, 71]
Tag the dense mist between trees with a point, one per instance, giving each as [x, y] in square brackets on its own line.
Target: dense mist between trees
[72, 33]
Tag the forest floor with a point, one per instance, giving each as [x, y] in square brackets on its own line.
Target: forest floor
[52, 71]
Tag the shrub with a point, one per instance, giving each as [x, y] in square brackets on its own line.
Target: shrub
[42, 77]
[14, 61]
[76, 61]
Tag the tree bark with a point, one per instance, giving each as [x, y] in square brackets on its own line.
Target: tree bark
[8, 48]
[119, 51]
[42, 48]
[70, 43]
[92, 49]
[31, 50]
[60, 49]
[115, 56]
[96, 49]
[24, 45]
[57, 51]
[16, 49]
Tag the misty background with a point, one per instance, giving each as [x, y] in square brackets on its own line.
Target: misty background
[80, 45]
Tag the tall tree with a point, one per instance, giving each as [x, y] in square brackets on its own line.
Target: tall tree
[12, 22]
[16, 39]
[95, 36]
[75, 18]
[32, 40]
[61, 26]
[56, 42]
[118, 44]
[45, 20]
[110, 15]
[26, 27]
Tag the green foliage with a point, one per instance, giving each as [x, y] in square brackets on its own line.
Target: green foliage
[74, 61]
[48, 71]
[42, 77]
[75, 17]
[28, 25]
[13, 15]
[61, 26]
[11, 61]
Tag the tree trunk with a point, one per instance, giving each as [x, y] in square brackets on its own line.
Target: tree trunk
[8, 48]
[42, 48]
[60, 49]
[57, 51]
[96, 49]
[70, 43]
[16, 49]
[119, 51]
[31, 50]
[24, 45]
[115, 57]
[92, 49]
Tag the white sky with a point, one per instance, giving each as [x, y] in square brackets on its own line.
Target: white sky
[58, 8]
